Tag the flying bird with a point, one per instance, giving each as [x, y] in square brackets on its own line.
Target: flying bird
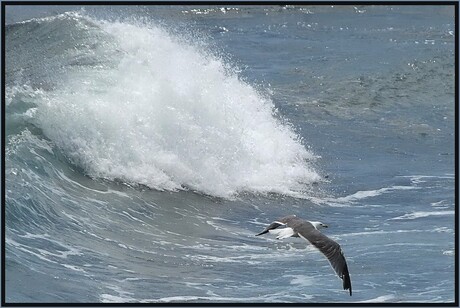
[308, 230]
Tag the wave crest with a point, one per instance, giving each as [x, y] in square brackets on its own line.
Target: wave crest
[171, 116]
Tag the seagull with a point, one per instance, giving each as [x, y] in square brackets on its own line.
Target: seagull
[308, 230]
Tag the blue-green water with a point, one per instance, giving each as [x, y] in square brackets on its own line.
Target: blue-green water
[145, 146]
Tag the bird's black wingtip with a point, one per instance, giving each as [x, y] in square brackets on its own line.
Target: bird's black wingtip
[347, 287]
[347, 282]
[272, 226]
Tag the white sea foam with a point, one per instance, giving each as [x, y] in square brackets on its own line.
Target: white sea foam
[61, 253]
[380, 299]
[74, 268]
[421, 214]
[440, 204]
[359, 195]
[301, 280]
[417, 179]
[121, 296]
[272, 298]
[173, 116]
[383, 232]
[109, 298]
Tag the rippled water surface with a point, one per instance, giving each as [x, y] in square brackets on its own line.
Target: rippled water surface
[145, 146]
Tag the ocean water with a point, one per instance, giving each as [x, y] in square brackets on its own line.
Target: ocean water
[146, 146]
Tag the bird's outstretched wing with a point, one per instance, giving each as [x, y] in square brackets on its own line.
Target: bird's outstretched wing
[329, 248]
[277, 223]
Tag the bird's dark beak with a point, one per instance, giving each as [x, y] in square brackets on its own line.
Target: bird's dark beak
[325, 226]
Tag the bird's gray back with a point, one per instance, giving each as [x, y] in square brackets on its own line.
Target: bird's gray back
[288, 219]
[298, 224]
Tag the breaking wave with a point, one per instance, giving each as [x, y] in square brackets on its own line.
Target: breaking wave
[136, 103]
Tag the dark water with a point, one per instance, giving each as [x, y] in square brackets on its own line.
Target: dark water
[145, 146]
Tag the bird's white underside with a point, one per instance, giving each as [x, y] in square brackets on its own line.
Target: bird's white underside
[282, 233]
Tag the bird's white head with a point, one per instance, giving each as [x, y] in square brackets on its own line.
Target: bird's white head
[318, 225]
